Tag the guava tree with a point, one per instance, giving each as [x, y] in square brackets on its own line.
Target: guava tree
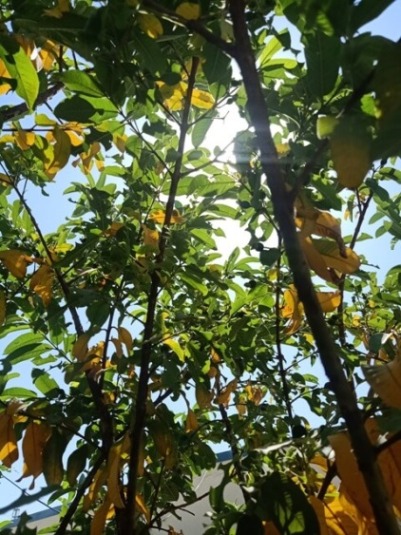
[132, 347]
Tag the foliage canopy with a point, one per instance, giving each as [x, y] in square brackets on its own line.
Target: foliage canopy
[144, 346]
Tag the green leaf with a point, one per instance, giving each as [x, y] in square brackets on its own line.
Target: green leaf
[150, 55]
[217, 65]
[268, 257]
[322, 55]
[44, 382]
[283, 502]
[21, 69]
[200, 130]
[81, 82]
[18, 392]
[367, 10]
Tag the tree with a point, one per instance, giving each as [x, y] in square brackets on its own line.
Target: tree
[128, 307]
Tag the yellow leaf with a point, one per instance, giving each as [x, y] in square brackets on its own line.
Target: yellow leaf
[191, 423]
[202, 99]
[42, 283]
[159, 216]
[87, 157]
[142, 507]
[126, 338]
[48, 54]
[172, 95]
[80, 347]
[8, 440]
[338, 521]
[3, 310]
[63, 6]
[150, 25]
[292, 310]
[101, 515]
[150, 238]
[57, 155]
[318, 507]
[35, 438]
[385, 380]
[254, 394]
[188, 10]
[118, 346]
[224, 397]
[113, 229]
[329, 301]
[203, 396]
[4, 86]
[346, 261]
[99, 479]
[5, 179]
[113, 479]
[24, 139]
[15, 261]
[350, 474]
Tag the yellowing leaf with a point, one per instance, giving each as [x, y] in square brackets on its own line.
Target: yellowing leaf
[254, 393]
[15, 261]
[324, 256]
[42, 283]
[35, 438]
[191, 422]
[203, 396]
[175, 346]
[80, 347]
[48, 54]
[113, 479]
[188, 10]
[292, 310]
[346, 261]
[8, 440]
[329, 301]
[318, 507]
[57, 155]
[4, 86]
[385, 380]
[126, 338]
[101, 515]
[113, 229]
[63, 6]
[99, 479]
[150, 25]
[119, 348]
[24, 139]
[158, 216]
[224, 397]
[5, 179]
[348, 471]
[337, 519]
[350, 152]
[325, 126]
[202, 99]
[142, 507]
[150, 238]
[2, 307]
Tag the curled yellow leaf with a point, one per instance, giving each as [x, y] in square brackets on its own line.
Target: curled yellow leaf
[8, 440]
[188, 10]
[42, 283]
[150, 25]
[15, 261]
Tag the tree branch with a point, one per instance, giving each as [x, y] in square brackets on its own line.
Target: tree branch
[138, 419]
[283, 210]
